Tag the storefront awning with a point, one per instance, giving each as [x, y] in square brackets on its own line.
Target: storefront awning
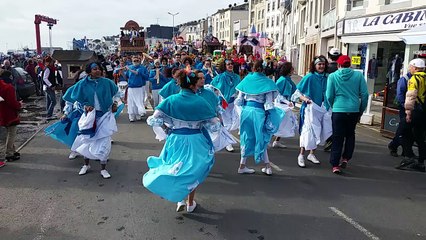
[390, 37]
[416, 35]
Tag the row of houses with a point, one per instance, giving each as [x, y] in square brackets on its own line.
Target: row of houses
[302, 29]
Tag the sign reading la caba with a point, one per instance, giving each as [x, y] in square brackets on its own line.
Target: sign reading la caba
[386, 22]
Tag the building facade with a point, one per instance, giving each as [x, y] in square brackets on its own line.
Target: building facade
[224, 19]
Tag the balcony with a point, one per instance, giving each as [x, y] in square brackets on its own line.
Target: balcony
[137, 46]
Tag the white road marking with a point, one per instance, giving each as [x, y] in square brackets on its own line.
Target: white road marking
[354, 224]
[275, 167]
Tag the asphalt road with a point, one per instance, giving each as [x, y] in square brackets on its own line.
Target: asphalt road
[43, 197]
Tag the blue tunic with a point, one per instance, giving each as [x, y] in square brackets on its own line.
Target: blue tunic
[286, 86]
[157, 85]
[84, 91]
[139, 79]
[169, 89]
[226, 83]
[208, 78]
[187, 156]
[313, 85]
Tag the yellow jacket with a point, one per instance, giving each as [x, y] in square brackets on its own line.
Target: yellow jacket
[416, 89]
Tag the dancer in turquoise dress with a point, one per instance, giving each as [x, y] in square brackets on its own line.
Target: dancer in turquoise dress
[226, 83]
[188, 155]
[259, 118]
[311, 89]
[172, 87]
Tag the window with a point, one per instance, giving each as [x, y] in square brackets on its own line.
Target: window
[263, 13]
[278, 4]
[273, 6]
[269, 7]
[278, 19]
[267, 23]
[316, 11]
[277, 36]
[393, 1]
[311, 8]
[355, 4]
[272, 22]
[258, 14]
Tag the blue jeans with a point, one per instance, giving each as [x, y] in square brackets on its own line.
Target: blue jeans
[50, 102]
[343, 135]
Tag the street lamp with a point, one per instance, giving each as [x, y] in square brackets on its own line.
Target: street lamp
[173, 15]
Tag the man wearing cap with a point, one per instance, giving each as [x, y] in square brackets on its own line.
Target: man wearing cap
[333, 55]
[348, 96]
[415, 108]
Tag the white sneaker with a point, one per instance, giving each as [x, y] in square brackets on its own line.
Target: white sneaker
[267, 171]
[105, 174]
[229, 148]
[190, 209]
[138, 118]
[84, 169]
[301, 161]
[131, 120]
[246, 170]
[73, 155]
[180, 206]
[313, 159]
[277, 144]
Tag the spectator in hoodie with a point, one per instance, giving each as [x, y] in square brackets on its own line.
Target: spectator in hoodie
[9, 119]
[347, 95]
[397, 141]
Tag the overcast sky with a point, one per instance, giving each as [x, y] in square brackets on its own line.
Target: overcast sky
[94, 19]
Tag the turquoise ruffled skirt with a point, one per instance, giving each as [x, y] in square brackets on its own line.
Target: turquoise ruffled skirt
[256, 129]
[183, 164]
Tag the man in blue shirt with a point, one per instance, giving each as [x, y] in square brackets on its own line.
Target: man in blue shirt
[137, 75]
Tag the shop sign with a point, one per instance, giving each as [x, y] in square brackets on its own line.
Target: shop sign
[386, 22]
[356, 60]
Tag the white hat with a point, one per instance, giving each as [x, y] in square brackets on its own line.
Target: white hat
[418, 63]
[334, 52]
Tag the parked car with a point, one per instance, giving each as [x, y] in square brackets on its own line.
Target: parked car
[24, 83]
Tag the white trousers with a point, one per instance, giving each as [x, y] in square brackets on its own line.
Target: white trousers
[156, 97]
[135, 102]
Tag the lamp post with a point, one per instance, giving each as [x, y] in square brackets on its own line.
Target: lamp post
[173, 15]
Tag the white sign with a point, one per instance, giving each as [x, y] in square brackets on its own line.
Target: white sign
[386, 22]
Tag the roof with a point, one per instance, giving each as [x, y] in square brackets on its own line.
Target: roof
[73, 55]
[131, 24]
[242, 7]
